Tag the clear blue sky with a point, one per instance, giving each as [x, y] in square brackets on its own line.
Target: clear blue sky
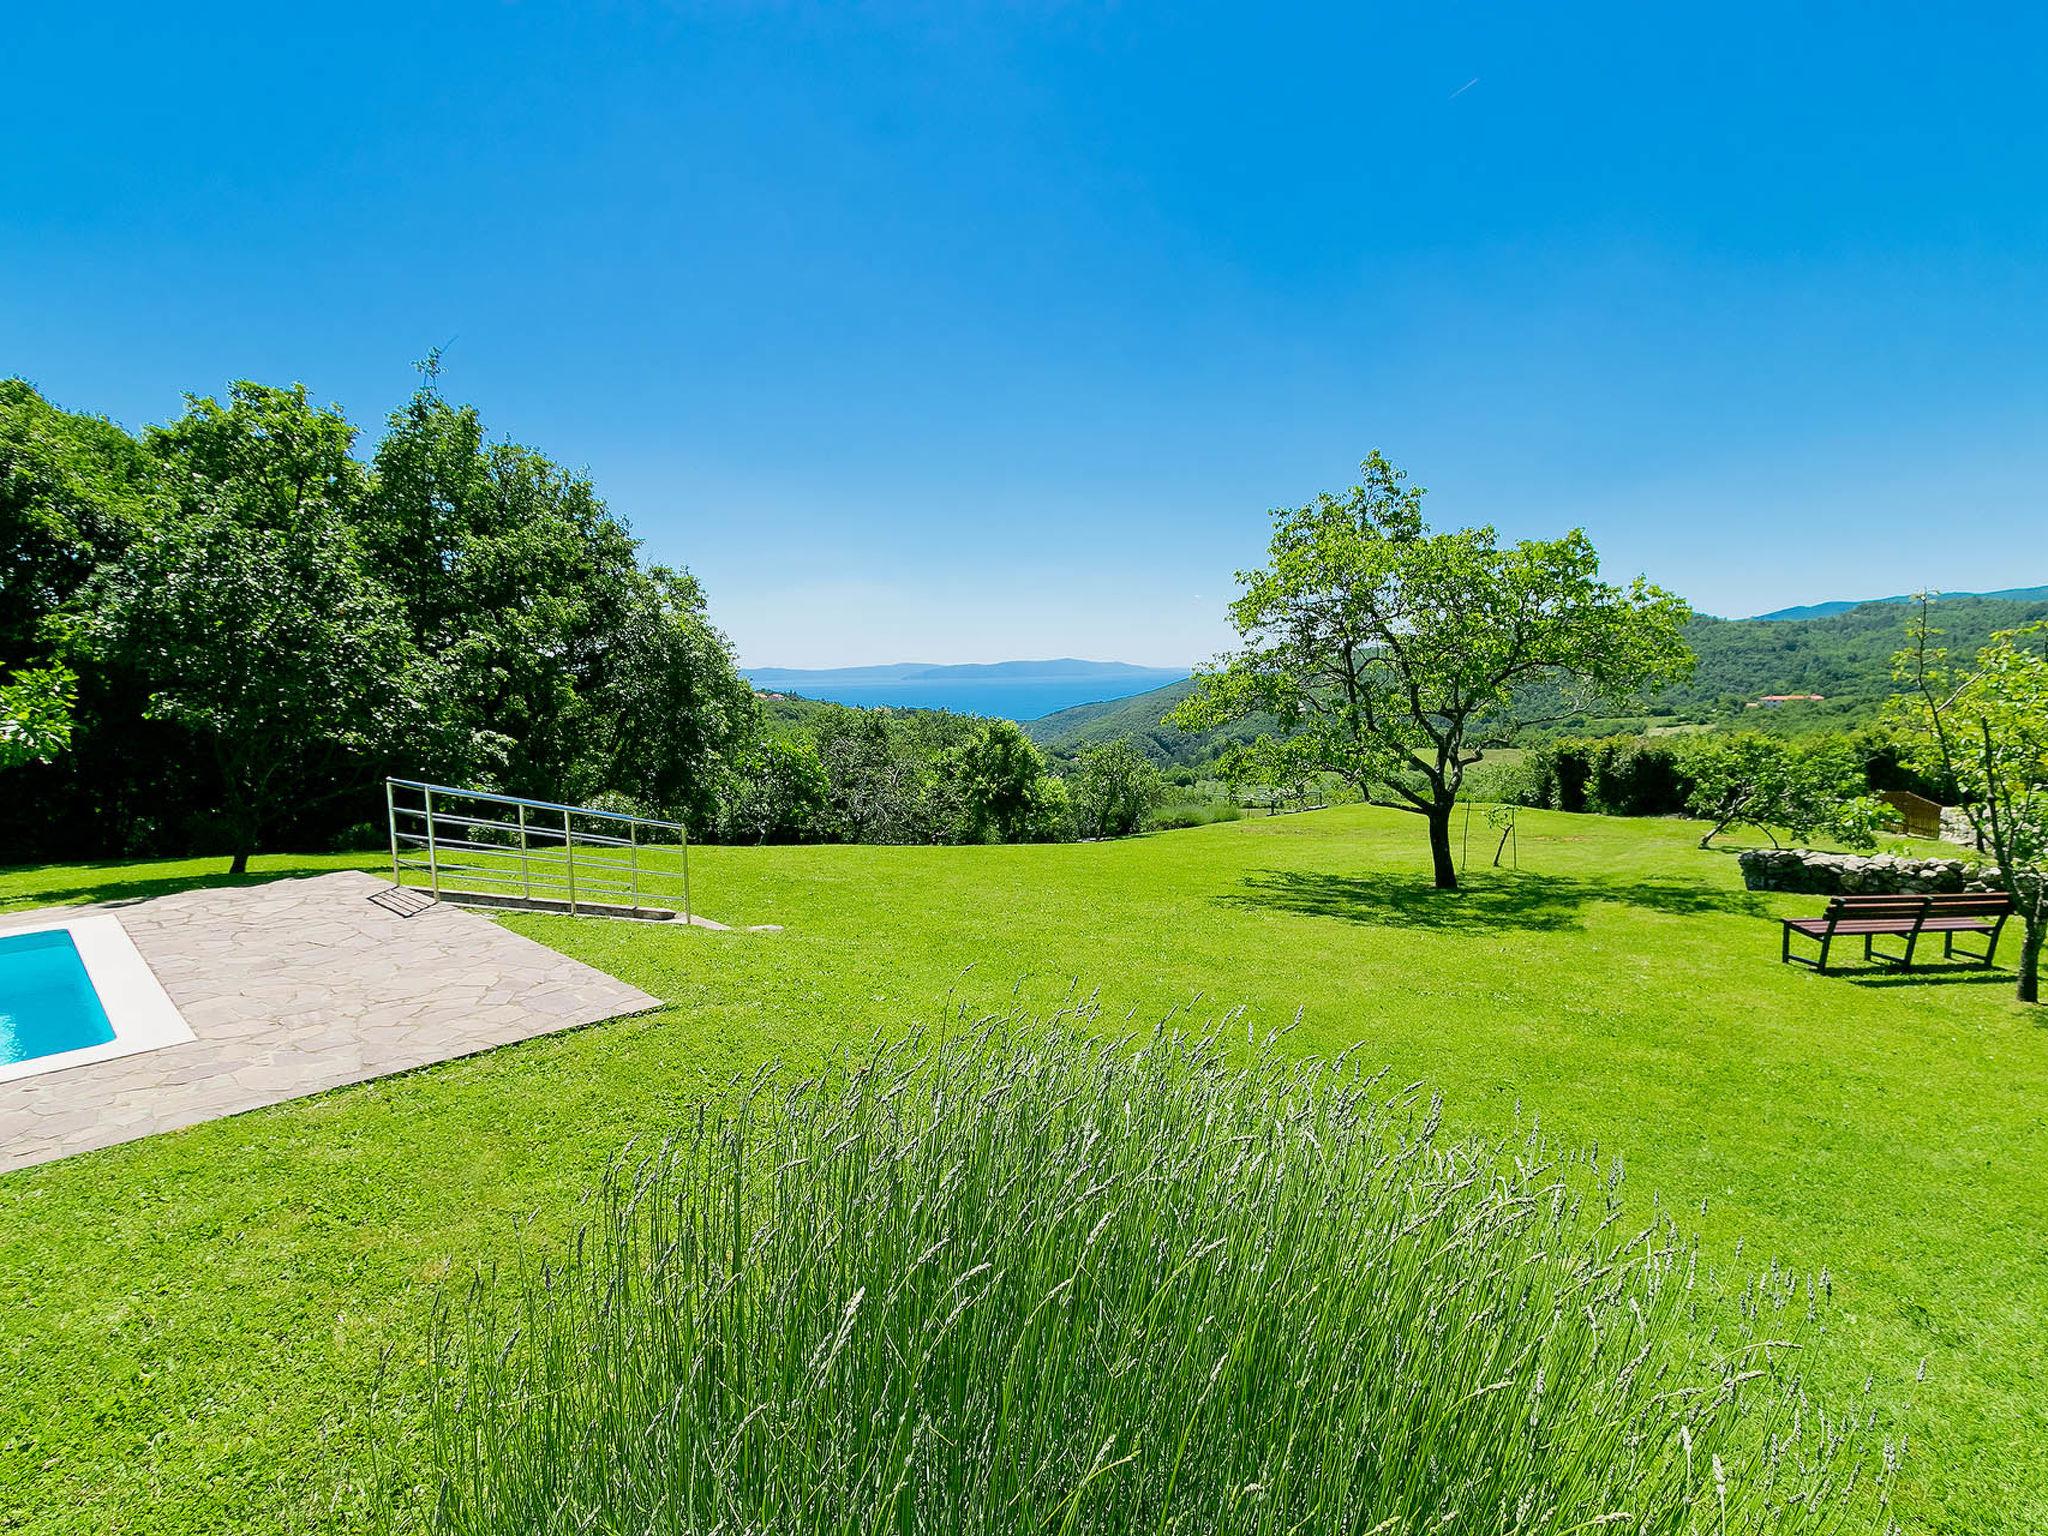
[957, 333]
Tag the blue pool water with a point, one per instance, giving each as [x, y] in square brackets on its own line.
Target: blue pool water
[47, 1003]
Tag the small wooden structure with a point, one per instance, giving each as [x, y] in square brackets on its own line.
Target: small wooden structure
[1922, 816]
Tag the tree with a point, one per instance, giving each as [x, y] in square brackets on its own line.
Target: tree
[516, 578]
[1002, 776]
[670, 704]
[568, 669]
[1769, 783]
[35, 715]
[269, 647]
[1985, 729]
[774, 791]
[1396, 657]
[1112, 788]
[1275, 769]
[73, 489]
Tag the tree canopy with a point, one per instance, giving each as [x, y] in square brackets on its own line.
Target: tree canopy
[263, 621]
[1985, 726]
[1396, 656]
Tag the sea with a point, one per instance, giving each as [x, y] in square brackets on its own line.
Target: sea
[1007, 698]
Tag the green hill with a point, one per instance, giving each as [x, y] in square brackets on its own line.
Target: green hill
[1134, 718]
[1844, 657]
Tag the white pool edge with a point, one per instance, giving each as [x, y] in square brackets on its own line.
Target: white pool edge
[142, 1014]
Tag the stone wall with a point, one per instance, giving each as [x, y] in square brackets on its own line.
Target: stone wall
[1850, 874]
[1956, 828]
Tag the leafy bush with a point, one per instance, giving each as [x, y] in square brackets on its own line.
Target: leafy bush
[774, 792]
[1614, 775]
[1769, 783]
[1113, 787]
[1500, 783]
[1005, 1279]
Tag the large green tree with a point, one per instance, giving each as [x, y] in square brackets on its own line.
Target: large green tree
[36, 705]
[1397, 656]
[1112, 788]
[73, 490]
[269, 648]
[1984, 727]
[249, 616]
[670, 707]
[455, 608]
[567, 669]
[1007, 794]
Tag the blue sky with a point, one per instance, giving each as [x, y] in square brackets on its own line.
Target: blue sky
[957, 333]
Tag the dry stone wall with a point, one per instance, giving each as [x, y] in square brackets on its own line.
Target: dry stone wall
[1849, 874]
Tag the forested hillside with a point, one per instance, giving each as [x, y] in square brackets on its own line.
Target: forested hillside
[1844, 657]
[1135, 718]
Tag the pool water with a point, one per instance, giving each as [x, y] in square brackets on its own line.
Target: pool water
[47, 1002]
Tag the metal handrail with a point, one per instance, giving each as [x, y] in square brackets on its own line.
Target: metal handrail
[446, 852]
[535, 805]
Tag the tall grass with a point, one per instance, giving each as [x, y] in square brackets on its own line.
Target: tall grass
[1175, 814]
[1015, 1279]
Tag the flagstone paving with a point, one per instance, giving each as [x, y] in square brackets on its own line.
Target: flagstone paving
[295, 987]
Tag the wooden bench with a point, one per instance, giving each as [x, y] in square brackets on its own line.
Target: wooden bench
[1908, 917]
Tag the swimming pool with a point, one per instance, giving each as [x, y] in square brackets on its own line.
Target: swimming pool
[76, 990]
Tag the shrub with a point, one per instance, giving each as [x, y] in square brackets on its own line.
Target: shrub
[1113, 786]
[1500, 783]
[1010, 1279]
[774, 792]
[1615, 775]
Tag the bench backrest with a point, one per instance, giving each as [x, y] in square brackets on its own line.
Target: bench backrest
[1942, 904]
[1904, 909]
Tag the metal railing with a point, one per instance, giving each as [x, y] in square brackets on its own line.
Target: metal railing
[505, 850]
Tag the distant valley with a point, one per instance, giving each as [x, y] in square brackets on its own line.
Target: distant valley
[1840, 651]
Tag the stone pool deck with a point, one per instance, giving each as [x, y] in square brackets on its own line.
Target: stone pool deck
[294, 987]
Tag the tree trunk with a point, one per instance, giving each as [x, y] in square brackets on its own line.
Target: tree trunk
[2031, 935]
[1440, 845]
[239, 865]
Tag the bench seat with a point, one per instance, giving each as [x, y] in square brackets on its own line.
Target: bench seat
[1820, 925]
[1870, 918]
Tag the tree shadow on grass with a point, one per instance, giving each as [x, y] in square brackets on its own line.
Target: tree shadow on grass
[1927, 976]
[70, 889]
[1539, 903]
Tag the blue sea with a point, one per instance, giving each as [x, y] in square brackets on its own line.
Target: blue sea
[1009, 698]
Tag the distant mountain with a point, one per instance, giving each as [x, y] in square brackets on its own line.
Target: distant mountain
[1015, 690]
[1829, 610]
[925, 671]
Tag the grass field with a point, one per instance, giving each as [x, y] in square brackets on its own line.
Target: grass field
[192, 1327]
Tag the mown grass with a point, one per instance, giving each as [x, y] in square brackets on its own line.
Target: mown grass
[191, 1325]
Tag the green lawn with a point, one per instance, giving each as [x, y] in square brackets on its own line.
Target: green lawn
[194, 1326]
